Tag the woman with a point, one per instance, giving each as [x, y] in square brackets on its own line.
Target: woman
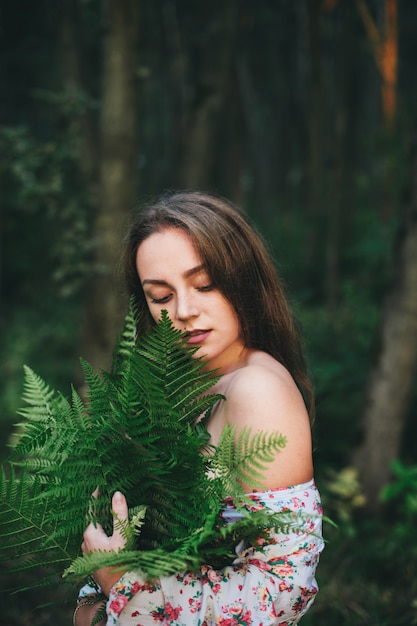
[195, 255]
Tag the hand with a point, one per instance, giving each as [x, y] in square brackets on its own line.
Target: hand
[96, 539]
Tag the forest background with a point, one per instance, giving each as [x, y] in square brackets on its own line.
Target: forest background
[304, 113]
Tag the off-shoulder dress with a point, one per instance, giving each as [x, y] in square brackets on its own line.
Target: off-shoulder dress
[271, 583]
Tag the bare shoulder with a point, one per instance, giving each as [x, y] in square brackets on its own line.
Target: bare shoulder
[264, 387]
[263, 396]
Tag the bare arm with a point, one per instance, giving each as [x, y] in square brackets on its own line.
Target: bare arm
[267, 399]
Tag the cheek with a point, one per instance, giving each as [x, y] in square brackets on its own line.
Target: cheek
[155, 316]
[154, 311]
[228, 313]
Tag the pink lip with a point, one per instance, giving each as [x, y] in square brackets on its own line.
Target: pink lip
[197, 336]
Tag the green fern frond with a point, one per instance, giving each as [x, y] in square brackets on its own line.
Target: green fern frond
[155, 563]
[142, 432]
[37, 392]
[128, 339]
[24, 528]
[98, 390]
[244, 457]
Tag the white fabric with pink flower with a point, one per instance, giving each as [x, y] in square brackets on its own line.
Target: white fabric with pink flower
[269, 584]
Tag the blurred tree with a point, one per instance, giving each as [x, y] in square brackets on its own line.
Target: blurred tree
[79, 106]
[338, 177]
[316, 133]
[384, 44]
[390, 384]
[385, 50]
[210, 49]
[104, 302]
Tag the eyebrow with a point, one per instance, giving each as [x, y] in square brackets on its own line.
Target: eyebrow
[187, 274]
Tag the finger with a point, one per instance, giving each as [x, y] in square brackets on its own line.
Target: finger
[121, 514]
[119, 506]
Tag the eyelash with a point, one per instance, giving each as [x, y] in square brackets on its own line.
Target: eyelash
[165, 299]
[160, 300]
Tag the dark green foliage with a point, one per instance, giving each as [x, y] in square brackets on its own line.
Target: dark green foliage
[139, 433]
[368, 571]
[42, 193]
[26, 530]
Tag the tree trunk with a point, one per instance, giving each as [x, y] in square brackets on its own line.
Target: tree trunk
[385, 50]
[316, 136]
[201, 121]
[105, 303]
[338, 205]
[391, 381]
[259, 157]
[81, 121]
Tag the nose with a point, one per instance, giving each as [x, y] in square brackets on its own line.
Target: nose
[186, 307]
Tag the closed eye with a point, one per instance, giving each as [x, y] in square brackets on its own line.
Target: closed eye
[205, 288]
[160, 300]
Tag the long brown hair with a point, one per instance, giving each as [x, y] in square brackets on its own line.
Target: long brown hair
[239, 266]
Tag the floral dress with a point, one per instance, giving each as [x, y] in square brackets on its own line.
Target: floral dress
[269, 584]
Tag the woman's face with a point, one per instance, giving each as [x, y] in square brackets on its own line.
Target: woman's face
[174, 278]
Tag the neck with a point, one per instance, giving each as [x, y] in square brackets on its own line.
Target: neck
[234, 362]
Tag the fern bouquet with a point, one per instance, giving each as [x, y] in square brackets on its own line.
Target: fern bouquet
[142, 432]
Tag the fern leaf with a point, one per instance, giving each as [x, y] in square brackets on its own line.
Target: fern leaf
[24, 528]
[245, 457]
[153, 563]
[141, 431]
